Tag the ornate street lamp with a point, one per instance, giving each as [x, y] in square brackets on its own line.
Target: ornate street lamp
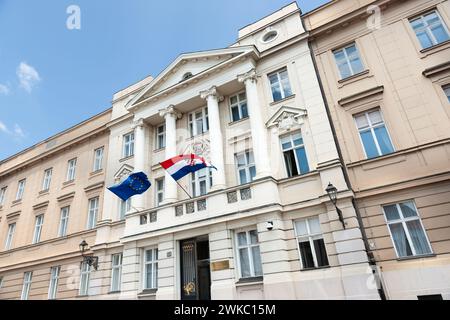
[332, 194]
[90, 259]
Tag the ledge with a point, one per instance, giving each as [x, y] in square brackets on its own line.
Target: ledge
[16, 202]
[273, 103]
[361, 95]
[249, 281]
[147, 293]
[66, 196]
[315, 268]
[428, 255]
[126, 158]
[94, 186]
[95, 173]
[41, 205]
[13, 215]
[68, 183]
[43, 192]
[432, 71]
[231, 123]
[435, 47]
[355, 76]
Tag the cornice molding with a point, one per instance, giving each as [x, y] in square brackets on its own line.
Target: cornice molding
[361, 95]
[41, 205]
[66, 196]
[94, 186]
[432, 71]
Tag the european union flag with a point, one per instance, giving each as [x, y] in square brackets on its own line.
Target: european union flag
[136, 183]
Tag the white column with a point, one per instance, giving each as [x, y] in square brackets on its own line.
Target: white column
[170, 115]
[258, 128]
[215, 138]
[137, 201]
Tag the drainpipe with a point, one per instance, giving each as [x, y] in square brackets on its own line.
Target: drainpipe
[369, 253]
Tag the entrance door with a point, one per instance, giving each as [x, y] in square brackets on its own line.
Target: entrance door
[195, 271]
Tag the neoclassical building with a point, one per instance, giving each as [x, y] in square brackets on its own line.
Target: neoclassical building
[385, 71]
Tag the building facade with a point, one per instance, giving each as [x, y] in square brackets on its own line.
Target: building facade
[385, 71]
[51, 199]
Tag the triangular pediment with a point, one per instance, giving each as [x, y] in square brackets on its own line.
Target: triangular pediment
[286, 118]
[124, 171]
[187, 67]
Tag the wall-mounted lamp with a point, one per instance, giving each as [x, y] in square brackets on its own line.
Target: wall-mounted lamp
[90, 259]
[332, 193]
[269, 225]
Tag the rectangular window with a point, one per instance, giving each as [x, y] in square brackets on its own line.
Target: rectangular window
[374, 135]
[348, 61]
[27, 278]
[245, 167]
[445, 88]
[2, 195]
[161, 137]
[1, 282]
[92, 214]
[249, 254]
[279, 84]
[63, 222]
[128, 145]
[125, 206]
[71, 167]
[294, 154]
[38, 228]
[159, 191]
[201, 182]
[54, 277]
[310, 243]
[406, 229]
[98, 159]
[430, 29]
[47, 179]
[84, 279]
[10, 235]
[238, 107]
[151, 269]
[116, 271]
[198, 121]
[20, 189]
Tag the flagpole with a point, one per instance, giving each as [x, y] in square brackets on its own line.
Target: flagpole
[183, 189]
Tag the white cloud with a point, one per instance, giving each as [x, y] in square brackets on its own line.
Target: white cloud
[4, 128]
[17, 132]
[28, 76]
[4, 89]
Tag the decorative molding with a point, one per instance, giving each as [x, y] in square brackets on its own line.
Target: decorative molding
[66, 196]
[249, 75]
[41, 205]
[170, 111]
[13, 215]
[361, 95]
[94, 186]
[211, 92]
[432, 71]
[138, 123]
[287, 118]
[124, 170]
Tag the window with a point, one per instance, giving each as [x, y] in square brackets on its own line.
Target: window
[186, 76]
[245, 167]
[2, 195]
[445, 88]
[98, 159]
[128, 145]
[27, 277]
[159, 191]
[279, 83]
[198, 122]
[151, 269]
[429, 29]
[294, 154]
[269, 36]
[47, 179]
[374, 135]
[84, 279]
[71, 166]
[92, 214]
[63, 222]
[1, 282]
[406, 229]
[125, 206]
[38, 228]
[20, 189]
[10, 235]
[54, 277]
[249, 255]
[201, 181]
[348, 61]
[310, 243]
[238, 107]
[161, 137]
[116, 271]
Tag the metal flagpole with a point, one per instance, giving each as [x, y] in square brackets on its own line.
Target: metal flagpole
[183, 188]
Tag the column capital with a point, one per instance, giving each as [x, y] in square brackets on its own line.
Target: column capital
[249, 75]
[138, 123]
[170, 111]
[211, 92]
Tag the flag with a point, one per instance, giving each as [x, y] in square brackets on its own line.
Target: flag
[135, 183]
[184, 164]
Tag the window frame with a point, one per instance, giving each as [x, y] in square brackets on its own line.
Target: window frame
[26, 287]
[38, 224]
[95, 209]
[445, 88]
[403, 221]
[238, 104]
[71, 169]
[192, 123]
[53, 284]
[10, 235]
[293, 148]
[245, 167]
[160, 144]
[310, 237]
[248, 246]
[129, 143]
[124, 204]
[282, 89]
[347, 60]
[63, 221]
[98, 159]
[371, 127]
[160, 191]
[84, 277]
[154, 262]
[3, 195]
[195, 181]
[47, 179]
[427, 27]
[20, 189]
[116, 271]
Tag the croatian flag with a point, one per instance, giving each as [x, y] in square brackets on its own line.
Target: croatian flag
[184, 164]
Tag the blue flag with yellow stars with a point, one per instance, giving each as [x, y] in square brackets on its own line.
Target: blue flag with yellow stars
[136, 183]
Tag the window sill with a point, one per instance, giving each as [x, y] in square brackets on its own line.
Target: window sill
[114, 292]
[68, 183]
[231, 123]
[147, 292]
[16, 202]
[159, 149]
[249, 281]
[95, 173]
[126, 158]
[292, 96]
[315, 268]
[355, 77]
[428, 255]
[43, 192]
[436, 48]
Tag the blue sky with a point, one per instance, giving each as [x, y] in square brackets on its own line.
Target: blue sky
[52, 78]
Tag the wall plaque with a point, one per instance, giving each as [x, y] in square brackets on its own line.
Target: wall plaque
[220, 265]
